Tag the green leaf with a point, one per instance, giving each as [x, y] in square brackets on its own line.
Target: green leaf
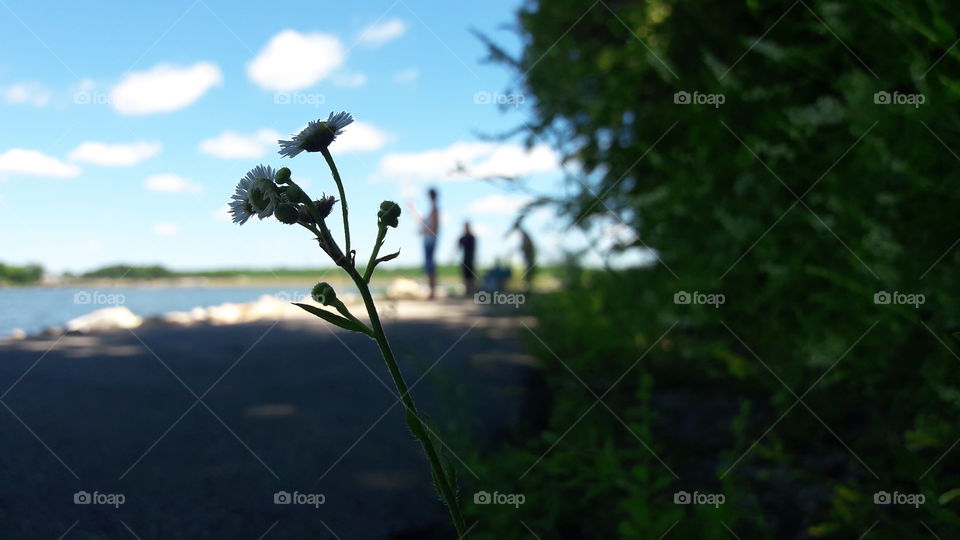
[446, 464]
[415, 427]
[331, 318]
[451, 471]
[949, 496]
[389, 257]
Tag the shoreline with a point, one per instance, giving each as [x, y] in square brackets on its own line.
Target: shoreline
[276, 305]
[187, 282]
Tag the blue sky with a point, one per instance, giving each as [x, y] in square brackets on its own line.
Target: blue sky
[127, 126]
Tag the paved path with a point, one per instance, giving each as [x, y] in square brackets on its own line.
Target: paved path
[292, 407]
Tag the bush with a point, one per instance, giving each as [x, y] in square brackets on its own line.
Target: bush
[807, 201]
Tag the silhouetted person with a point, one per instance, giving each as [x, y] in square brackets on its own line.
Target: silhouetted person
[529, 252]
[468, 245]
[429, 229]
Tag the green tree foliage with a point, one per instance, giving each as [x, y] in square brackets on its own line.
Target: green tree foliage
[20, 275]
[802, 198]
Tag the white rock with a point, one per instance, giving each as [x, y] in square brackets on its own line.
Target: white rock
[18, 334]
[228, 313]
[198, 314]
[177, 317]
[405, 289]
[266, 307]
[105, 319]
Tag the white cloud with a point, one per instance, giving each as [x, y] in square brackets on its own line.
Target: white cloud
[466, 160]
[29, 93]
[164, 88]
[115, 155]
[514, 160]
[360, 137]
[432, 164]
[350, 80]
[292, 61]
[304, 181]
[233, 145]
[165, 229]
[498, 204]
[481, 230]
[171, 183]
[378, 34]
[34, 163]
[406, 76]
[222, 213]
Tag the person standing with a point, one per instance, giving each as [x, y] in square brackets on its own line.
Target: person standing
[529, 252]
[468, 245]
[429, 229]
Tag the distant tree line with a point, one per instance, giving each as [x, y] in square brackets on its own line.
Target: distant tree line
[126, 271]
[118, 271]
[30, 273]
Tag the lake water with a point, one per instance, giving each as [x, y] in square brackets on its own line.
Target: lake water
[34, 308]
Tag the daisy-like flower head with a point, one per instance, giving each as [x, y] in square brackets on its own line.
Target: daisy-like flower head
[256, 194]
[264, 197]
[317, 135]
[240, 207]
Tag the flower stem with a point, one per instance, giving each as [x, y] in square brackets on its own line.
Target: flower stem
[368, 271]
[343, 198]
[447, 491]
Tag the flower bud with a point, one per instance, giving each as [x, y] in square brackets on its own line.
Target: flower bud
[305, 215]
[323, 293]
[389, 214]
[295, 194]
[325, 205]
[287, 213]
[283, 175]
